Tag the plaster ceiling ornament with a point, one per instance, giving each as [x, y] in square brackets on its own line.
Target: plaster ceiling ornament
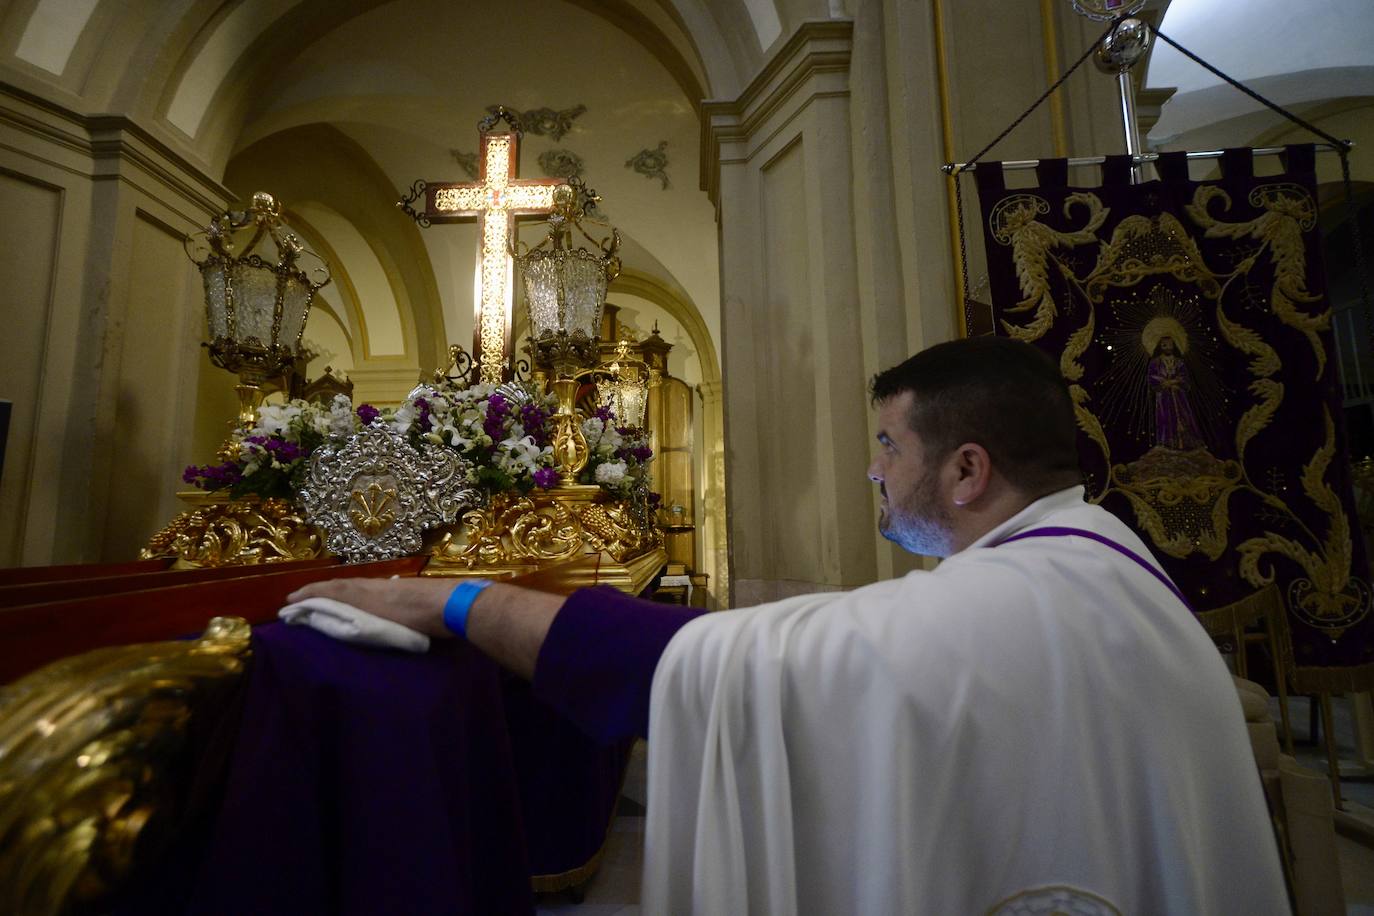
[561, 163]
[377, 494]
[466, 161]
[651, 163]
[545, 122]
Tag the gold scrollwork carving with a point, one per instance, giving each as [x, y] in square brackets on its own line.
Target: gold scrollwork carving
[522, 532]
[619, 529]
[242, 531]
[90, 750]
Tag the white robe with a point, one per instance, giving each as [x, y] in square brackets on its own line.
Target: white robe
[1041, 714]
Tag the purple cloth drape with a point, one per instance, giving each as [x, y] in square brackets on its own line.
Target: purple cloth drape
[367, 782]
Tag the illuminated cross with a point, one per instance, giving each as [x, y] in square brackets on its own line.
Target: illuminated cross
[495, 199]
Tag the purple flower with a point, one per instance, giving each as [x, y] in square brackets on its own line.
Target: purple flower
[283, 451]
[423, 420]
[544, 478]
[655, 499]
[605, 414]
[641, 453]
[535, 421]
[213, 476]
[367, 413]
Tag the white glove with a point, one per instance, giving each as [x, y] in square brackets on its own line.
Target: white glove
[350, 624]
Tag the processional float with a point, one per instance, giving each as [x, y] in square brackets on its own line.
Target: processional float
[1191, 321]
[490, 467]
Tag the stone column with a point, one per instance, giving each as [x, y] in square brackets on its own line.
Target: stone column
[780, 171]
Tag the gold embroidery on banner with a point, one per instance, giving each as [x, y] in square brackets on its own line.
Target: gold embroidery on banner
[1328, 597]
[1178, 489]
[1014, 222]
[1288, 212]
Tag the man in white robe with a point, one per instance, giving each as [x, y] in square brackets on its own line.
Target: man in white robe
[1038, 725]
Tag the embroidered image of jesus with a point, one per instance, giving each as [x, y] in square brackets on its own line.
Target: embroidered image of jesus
[1175, 425]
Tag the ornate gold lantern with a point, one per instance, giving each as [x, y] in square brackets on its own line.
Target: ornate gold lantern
[259, 283]
[625, 383]
[565, 292]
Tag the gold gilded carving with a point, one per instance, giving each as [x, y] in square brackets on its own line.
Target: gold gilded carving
[512, 531]
[373, 504]
[527, 532]
[619, 529]
[242, 531]
[1289, 211]
[90, 750]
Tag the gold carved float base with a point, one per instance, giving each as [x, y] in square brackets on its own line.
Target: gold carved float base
[218, 531]
[574, 534]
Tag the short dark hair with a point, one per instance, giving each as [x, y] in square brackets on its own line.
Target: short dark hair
[1003, 394]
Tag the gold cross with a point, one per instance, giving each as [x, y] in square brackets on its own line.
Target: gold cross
[495, 199]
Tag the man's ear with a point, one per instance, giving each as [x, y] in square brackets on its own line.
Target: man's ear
[972, 472]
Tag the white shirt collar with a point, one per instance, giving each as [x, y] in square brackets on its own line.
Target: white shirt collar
[1032, 515]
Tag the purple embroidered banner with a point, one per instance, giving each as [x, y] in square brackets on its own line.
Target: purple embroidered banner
[1191, 321]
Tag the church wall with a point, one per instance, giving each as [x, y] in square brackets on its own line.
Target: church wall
[108, 412]
[156, 341]
[874, 107]
[31, 247]
[795, 429]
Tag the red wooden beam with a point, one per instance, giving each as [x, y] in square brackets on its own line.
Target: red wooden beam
[33, 635]
[24, 575]
[98, 586]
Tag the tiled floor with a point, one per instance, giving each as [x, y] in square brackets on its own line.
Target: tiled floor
[615, 889]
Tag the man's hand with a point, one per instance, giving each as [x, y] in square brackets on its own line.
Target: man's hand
[413, 602]
[506, 622]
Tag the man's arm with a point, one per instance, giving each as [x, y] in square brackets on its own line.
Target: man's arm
[591, 656]
[506, 622]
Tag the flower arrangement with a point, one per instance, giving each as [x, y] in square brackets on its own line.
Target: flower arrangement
[617, 456]
[270, 459]
[505, 432]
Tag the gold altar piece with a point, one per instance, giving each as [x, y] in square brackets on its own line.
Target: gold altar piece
[96, 756]
[218, 531]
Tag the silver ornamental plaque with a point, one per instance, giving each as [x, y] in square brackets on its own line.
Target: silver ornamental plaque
[376, 494]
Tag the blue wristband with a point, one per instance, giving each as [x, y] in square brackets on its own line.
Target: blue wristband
[460, 602]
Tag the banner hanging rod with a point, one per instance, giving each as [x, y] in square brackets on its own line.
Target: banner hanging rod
[949, 168]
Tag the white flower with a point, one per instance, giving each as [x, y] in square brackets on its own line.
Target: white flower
[611, 473]
[404, 417]
[339, 420]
